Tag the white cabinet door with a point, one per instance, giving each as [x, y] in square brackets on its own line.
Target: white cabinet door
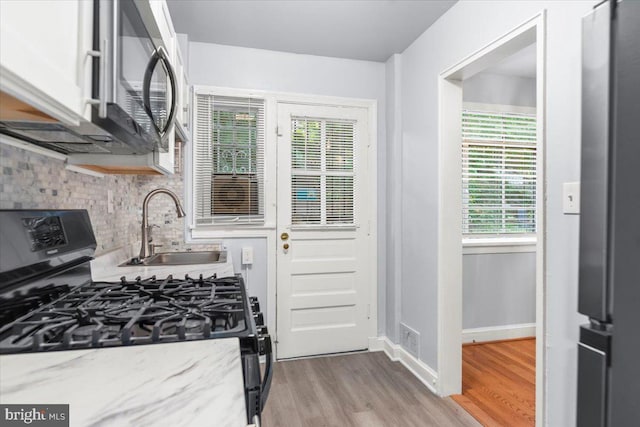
[186, 104]
[183, 94]
[323, 278]
[43, 46]
[162, 16]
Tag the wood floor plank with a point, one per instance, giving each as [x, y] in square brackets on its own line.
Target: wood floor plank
[480, 415]
[365, 389]
[498, 382]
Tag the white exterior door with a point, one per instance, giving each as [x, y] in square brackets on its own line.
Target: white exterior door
[323, 279]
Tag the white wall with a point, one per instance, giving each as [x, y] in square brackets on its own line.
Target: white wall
[489, 88]
[393, 197]
[498, 289]
[245, 68]
[465, 28]
[254, 275]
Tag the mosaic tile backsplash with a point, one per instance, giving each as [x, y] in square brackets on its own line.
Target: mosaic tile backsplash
[32, 181]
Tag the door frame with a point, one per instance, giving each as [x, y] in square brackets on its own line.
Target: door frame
[371, 105]
[450, 204]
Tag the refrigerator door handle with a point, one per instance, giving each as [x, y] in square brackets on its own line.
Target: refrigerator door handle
[594, 359]
[592, 387]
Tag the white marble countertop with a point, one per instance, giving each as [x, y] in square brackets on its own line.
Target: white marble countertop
[195, 383]
[105, 268]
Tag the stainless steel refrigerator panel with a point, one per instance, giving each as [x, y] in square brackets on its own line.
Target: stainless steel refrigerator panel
[592, 298]
[625, 214]
[592, 387]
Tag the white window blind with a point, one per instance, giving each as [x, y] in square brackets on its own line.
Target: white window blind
[322, 172]
[229, 160]
[498, 173]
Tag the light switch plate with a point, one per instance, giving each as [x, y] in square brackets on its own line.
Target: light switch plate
[571, 198]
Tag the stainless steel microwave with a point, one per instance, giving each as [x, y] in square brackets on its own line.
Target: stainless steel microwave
[134, 85]
[133, 89]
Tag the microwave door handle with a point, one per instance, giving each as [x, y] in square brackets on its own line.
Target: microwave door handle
[160, 54]
[174, 84]
[146, 88]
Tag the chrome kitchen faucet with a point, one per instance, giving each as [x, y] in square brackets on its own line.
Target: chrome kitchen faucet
[147, 248]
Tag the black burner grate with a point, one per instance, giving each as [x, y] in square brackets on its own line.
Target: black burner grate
[101, 314]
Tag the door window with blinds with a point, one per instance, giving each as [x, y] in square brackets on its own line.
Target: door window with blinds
[322, 172]
[229, 160]
[498, 173]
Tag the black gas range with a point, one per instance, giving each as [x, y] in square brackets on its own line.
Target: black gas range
[48, 301]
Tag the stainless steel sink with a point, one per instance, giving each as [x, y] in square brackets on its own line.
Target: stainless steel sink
[183, 258]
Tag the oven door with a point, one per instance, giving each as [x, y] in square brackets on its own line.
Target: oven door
[132, 77]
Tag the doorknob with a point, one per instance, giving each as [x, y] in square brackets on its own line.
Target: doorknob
[285, 246]
[284, 236]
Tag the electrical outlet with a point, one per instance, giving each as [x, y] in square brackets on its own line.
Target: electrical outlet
[247, 256]
[410, 340]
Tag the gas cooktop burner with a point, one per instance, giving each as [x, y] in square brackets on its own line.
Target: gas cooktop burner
[100, 314]
[48, 301]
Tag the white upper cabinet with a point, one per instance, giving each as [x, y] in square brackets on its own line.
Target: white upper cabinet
[43, 55]
[186, 95]
[183, 114]
[165, 24]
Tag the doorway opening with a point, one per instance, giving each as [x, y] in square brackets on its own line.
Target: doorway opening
[499, 241]
[491, 229]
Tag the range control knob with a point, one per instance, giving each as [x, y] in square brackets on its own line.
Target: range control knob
[264, 345]
[255, 305]
[262, 330]
[259, 318]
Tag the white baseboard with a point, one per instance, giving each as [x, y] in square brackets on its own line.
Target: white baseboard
[376, 343]
[417, 367]
[496, 333]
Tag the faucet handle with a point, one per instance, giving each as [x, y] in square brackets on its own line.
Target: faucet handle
[149, 231]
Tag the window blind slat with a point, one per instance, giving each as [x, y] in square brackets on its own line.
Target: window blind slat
[229, 160]
[323, 171]
[498, 173]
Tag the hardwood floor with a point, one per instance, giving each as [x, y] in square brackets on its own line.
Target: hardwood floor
[364, 389]
[498, 382]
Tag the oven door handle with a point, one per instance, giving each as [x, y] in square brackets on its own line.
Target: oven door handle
[160, 54]
[268, 371]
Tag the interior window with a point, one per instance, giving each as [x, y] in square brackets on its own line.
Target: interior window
[498, 173]
[229, 160]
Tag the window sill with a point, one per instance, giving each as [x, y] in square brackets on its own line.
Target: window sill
[498, 245]
[209, 233]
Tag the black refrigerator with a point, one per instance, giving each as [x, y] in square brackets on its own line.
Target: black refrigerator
[609, 277]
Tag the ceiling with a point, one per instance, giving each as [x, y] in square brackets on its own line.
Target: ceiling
[521, 64]
[370, 30]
